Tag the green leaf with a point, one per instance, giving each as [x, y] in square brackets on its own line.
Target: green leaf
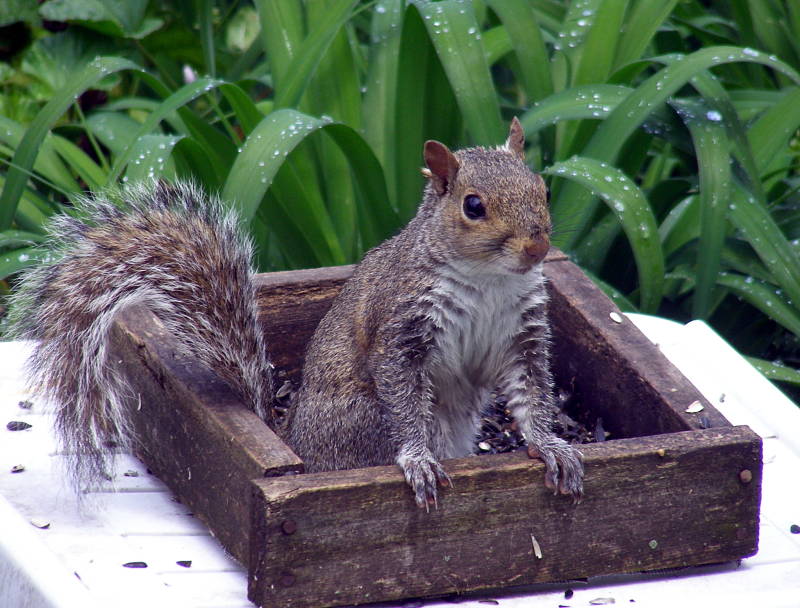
[11, 262]
[614, 294]
[628, 116]
[587, 101]
[244, 108]
[769, 134]
[526, 38]
[456, 37]
[121, 19]
[115, 130]
[640, 27]
[81, 163]
[29, 146]
[192, 162]
[205, 19]
[178, 99]
[765, 297]
[47, 163]
[151, 156]
[380, 98]
[270, 143]
[282, 33]
[633, 211]
[15, 238]
[775, 371]
[416, 60]
[596, 53]
[305, 61]
[32, 212]
[713, 159]
[758, 227]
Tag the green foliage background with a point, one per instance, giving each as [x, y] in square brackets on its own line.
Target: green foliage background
[667, 130]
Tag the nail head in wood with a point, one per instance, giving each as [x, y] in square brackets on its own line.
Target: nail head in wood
[289, 526]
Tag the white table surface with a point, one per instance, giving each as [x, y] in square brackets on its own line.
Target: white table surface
[78, 560]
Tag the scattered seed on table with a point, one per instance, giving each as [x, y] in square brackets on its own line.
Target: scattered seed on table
[42, 524]
[695, 407]
[25, 405]
[284, 391]
[135, 565]
[18, 468]
[794, 529]
[186, 563]
[568, 594]
[18, 425]
[131, 473]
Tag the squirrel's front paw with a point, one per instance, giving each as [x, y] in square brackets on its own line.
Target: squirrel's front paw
[564, 465]
[422, 471]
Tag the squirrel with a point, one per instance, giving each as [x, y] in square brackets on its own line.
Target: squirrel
[398, 371]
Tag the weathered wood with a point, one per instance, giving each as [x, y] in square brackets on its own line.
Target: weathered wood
[290, 306]
[613, 366]
[356, 536]
[195, 434]
[352, 537]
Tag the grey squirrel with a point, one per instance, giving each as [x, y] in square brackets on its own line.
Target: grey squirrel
[398, 370]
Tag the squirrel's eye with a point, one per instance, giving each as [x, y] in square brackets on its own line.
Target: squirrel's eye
[473, 207]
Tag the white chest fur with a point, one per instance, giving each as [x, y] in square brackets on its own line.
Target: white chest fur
[477, 319]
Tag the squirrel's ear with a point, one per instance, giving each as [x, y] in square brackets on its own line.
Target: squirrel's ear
[442, 165]
[516, 139]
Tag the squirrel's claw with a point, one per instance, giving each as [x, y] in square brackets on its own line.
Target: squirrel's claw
[422, 473]
[563, 467]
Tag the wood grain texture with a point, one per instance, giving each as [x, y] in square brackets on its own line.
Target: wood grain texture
[352, 537]
[194, 433]
[613, 366]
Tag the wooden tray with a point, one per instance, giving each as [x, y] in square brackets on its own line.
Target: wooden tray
[670, 489]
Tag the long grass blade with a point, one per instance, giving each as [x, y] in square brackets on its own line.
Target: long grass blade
[763, 296]
[712, 150]
[380, 98]
[47, 163]
[772, 130]
[526, 38]
[607, 141]
[631, 208]
[309, 53]
[455, 34]
[754, 221]
[178, 99]
[776, 371]
[28, 149]
[275, 137]
[151, 156]
[11, 262]
[644, 20]
[282, 33]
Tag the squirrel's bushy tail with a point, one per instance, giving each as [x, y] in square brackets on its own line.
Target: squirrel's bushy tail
[165, 246]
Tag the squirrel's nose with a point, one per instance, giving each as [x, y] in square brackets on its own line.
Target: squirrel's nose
[537, 248]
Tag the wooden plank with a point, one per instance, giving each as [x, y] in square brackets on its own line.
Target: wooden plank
[196, 435]
[611, 365]
[356, 536]
[290, 306]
